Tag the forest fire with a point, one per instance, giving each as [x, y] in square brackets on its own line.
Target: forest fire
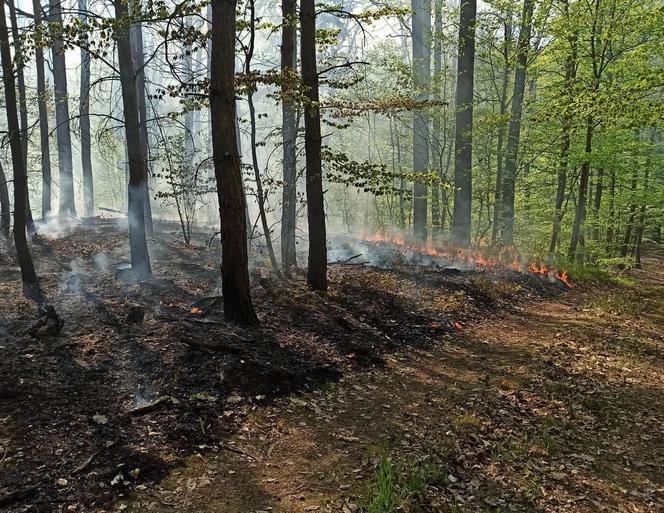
[508, 258]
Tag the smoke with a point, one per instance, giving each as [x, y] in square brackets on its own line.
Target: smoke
[56, 227]
[72, 280]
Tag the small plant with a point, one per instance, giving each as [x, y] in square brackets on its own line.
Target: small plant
[399, 484]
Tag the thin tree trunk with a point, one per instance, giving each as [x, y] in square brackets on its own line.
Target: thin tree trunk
[28, 275]
[317, 271]
[500, 157]
[580, 214]
[43, 117]
[140, 258]
[23, 106]
[437, 148]
[288, 134]
[463, 161]
[232, 203]
[136, 37]
[5, 207]
[514, 134]
[610, 231]
[421, 33]
[597, 203]
[63, 130]
[84, 123]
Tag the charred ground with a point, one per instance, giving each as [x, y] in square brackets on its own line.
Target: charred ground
[145, 374]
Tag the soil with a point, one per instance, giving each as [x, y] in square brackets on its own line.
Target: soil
[523, 394]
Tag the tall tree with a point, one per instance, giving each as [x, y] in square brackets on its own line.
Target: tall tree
[514, 133]
[28, 274]
[232, 202]
[63, 129]
[317, 271]
[136, 36]
[43, 116]
[463, 161]
[22, 103]
[437, 147]
[84, 122]
[140, 258]
[260, 195]
[288, 133]
[421, 32]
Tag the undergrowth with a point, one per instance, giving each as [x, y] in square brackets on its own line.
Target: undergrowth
[399, 486]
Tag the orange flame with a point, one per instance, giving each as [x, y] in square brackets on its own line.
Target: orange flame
[509, 257]
[196, 311]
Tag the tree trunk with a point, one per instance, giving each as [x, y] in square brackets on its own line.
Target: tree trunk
[28, 275]
[232, 203]
[580, 214]
[611, 229]
[421, 33]
[514, 133]
[500, 157]
[260, 196]
[23, 106]
[597, 203]
[136, 37]
[84, 123]
[43, 118]
[463, 160]
[63, 130]
[317, 272]
[437, 148]
[140, 258]
[5, 207]
[288, 134]
[561, 189]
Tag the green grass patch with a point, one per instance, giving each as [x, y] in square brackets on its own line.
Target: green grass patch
[401, 485]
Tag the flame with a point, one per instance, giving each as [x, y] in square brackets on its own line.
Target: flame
[196, 311]
[508, 258]
[457, 325]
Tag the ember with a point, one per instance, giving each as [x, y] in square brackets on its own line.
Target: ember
[196, 311]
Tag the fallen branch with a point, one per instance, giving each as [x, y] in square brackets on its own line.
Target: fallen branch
[92, 457]
[147, 408]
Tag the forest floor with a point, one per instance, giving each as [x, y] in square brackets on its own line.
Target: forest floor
[401, 389]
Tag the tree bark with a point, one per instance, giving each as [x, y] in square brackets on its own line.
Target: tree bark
[317, 271]
[28, 275]
[84, 123]
[43, 118]
[288, 134]
[63, 130]
[421, 33]
[140, 258]
[500, 156]
[463, 160]
[514, 133]
[565, 138]
[23, 106]
[437, 148]
[580, 214]
[5, 207]
[232, 203]
[136, 37]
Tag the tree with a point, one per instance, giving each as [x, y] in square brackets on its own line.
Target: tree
[5, 207]
[288, 134]
[28, 274]
[317, 271]
[463, 161]
[140, 258]
[43, 116]
[232, 203]
[421, 29]
[514, 133]
[63, 129]
[23, 105]
[84, 122]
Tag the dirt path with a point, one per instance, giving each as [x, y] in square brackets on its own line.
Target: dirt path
[556, 407]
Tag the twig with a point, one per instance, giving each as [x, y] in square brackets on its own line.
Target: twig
[18, 495]
[239, 451]
[92, 457]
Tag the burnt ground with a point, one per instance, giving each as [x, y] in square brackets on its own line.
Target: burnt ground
[501, 391]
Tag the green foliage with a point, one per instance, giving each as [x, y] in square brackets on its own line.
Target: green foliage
[398, 484]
